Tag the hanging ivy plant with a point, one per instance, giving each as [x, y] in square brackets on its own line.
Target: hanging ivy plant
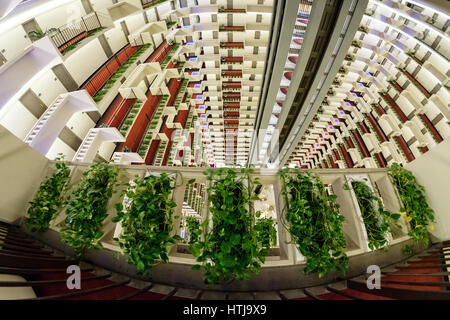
[49, 199]
[233, 248]
[376, 219]
[147, 222]
[415, 209]
[86, 208]
[193, 230]
[313, 220]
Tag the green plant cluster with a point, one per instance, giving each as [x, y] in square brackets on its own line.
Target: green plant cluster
[418, 212]
[194, 230]
[49, 199]
[147, 221]
[118, 73]
[86, 208]
[232, 249]
[313, 220]
[377, 220]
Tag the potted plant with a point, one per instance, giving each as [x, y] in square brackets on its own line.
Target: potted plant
[237, 243]
[314, 223]
[86, 208]
[376, 219]
[147, 221]
[415, 210]
[49, 199]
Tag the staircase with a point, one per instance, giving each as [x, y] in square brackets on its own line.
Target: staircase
[26, 263]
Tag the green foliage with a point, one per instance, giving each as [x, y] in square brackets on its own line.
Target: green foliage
[265, 228]
[194, 229]
[147, 221]
[313, 220]
[86, 208]
[49, 199]
[417, 211]
[408, 250]
[233, 248]
[376, 219]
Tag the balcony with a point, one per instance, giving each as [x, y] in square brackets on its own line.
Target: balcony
[232, 45]
[231, 28]
[223, 10]
[54, 119]
[150, 3]
[93, 142]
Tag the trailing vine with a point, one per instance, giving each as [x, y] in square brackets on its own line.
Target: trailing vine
[416, 210]
[49, 199]
[86, 208]
[193, 229]
[313, 220]
[376, 219]
[147, 222]
[234, 247]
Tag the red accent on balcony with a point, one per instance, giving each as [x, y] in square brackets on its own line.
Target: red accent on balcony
[361, 144]
[325, 163]
[152, 150]
[350, 142]
[280, 103]
[231, 121]
[293, 59]
[116, 111]
[405, 148]
[422, 88]
[382, 161]
[231, 95]
[231, 105]
[171, 65]
[379, 109]
[298, 41]
[231, 85]
[231, 113]
[431, 127]
[396, 108]
[174, 86]
[284, 90]
[139, 127]
[167, 153]
[377, 128]
[288, 75]
[363, 127]
[232, 45]
[305, 21]
[159, 54]
[182, 117]
[347, 157]
[72, 41]
[232, 28]
[333, 163]
[337, 155]
[396, 85]
[231, 73]
[233, 59]
[424, 149]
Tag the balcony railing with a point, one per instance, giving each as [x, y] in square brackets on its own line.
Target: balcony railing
[150, 3]
[66, 37]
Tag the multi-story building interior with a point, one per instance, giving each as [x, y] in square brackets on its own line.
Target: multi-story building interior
[179, 86]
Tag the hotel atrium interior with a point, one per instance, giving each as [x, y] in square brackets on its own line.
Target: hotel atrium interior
[224, 149]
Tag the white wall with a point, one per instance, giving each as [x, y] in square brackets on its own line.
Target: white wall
[86, 60]
[18, 120]
[14, 41]
[21, 171]
[60, 146]
[48, 87]
[116, 39]
[432, 170]
[80, 123]
[61, 15]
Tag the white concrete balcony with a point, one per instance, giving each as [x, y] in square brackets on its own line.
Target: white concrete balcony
[119, 11]
[146, 31]
[135, 85]
[93, 142]
[54, 119]
[205, 9]
[126, 158]
[17, 74]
